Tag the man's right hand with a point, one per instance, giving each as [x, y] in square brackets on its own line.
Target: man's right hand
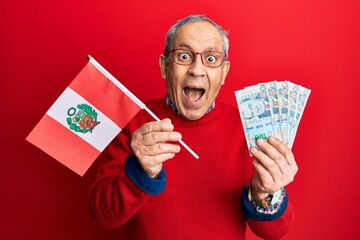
[151, 147]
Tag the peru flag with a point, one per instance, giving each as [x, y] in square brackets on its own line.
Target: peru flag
[85, 118]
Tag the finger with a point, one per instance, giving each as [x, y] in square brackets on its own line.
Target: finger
[164, 125]
[163, 157]
[267, 163]
[272, 153]
[158, 137]
[263, 174]
[283, 149]
[160, 148]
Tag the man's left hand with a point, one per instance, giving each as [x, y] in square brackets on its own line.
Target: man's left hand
[275, 166]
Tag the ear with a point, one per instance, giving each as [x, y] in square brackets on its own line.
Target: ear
[226, 68]
[162, 64]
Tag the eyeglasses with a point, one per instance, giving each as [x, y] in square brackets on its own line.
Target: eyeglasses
[186, 57]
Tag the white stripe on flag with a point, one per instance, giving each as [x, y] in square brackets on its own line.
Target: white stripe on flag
[101, 135]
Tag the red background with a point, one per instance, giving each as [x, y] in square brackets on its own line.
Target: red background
[311, 42]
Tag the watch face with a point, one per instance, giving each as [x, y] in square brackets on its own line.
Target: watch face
[276, 196]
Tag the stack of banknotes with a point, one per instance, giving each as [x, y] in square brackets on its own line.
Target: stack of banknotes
[271, 109]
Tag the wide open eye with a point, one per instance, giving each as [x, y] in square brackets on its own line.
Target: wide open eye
[183, 56]
[211, 59]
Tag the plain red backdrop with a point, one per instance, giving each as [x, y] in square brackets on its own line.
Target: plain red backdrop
[311, 42]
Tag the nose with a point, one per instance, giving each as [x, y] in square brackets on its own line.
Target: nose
[197, 68]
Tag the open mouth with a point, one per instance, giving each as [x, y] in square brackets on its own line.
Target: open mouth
[194, 94]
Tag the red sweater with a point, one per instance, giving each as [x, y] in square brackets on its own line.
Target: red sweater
[201, 199]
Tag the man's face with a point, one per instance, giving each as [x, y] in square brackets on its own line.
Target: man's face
[194, 88]
[252, 108]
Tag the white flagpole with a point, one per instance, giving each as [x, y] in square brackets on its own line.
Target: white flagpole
[133, 97]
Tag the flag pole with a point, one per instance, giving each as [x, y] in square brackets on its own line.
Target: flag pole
[133, 97]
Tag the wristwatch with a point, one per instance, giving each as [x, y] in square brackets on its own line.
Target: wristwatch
[275, 197]
[271, 199]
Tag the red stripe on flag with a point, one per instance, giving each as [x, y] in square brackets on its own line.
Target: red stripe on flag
[99, 91]
[63, 145]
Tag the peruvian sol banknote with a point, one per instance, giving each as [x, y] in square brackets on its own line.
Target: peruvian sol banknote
[271, 109]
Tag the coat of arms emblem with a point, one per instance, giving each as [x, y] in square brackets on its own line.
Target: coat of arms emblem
[82, 119]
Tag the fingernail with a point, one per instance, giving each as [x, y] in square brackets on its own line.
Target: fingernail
[178, 136]
[271, 139]
[260, 140]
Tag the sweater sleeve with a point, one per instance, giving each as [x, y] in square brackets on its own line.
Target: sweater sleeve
[121, 188]
[152, 186]
[268, 226]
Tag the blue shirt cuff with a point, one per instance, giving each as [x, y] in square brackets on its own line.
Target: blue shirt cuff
[254, 212]
[152, 186]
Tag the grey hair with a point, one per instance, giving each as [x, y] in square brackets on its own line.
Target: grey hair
[191, 19]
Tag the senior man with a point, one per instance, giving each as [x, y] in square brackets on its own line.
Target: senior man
[152, 190]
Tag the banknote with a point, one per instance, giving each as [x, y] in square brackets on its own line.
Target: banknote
[293, 98]
[303, 96]
[283, 96]
[273, 108]
[255, 114]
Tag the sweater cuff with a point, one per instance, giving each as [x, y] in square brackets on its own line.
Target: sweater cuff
[254, 212]
[152, 186]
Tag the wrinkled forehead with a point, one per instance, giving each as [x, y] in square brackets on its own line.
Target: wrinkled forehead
[198, 36]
